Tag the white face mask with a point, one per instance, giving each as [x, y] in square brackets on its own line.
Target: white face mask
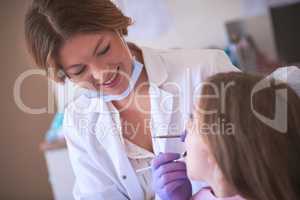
[137, 68]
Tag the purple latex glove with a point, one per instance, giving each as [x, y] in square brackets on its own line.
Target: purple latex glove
[170, 179]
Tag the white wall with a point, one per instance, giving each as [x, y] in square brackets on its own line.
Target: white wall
[254, 7]
[196, 24]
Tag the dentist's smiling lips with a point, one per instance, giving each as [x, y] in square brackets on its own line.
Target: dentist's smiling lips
[112, 81]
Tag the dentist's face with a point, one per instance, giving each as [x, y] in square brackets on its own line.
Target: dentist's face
[99, 61]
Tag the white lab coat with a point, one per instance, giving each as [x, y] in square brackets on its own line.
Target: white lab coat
[92, 127]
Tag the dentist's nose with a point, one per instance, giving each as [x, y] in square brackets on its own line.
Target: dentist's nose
[98, 73]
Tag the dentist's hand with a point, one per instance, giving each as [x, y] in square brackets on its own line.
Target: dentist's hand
[170, 179]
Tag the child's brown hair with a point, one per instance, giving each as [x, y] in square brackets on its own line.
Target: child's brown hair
[260, 162]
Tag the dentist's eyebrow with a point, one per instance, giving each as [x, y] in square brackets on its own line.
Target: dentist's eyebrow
[99, 42]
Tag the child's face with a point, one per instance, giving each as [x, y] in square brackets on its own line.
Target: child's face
[199, 162]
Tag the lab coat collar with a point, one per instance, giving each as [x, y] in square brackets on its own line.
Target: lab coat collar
[161, 113]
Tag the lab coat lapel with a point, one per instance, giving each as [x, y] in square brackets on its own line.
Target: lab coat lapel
[161, 100]
[109, 136]
[161, 113]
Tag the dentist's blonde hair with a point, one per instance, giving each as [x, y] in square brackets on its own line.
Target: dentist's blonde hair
[49, 23]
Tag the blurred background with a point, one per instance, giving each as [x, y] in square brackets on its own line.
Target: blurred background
[258, 35]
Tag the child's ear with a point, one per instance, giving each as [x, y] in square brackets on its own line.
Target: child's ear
[211, 161]
[217, 174]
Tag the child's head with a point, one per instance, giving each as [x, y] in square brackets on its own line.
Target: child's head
[229, 139]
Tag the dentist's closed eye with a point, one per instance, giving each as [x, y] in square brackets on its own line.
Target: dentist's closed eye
[104, 51]
[77, 70]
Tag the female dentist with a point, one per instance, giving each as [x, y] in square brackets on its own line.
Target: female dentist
[131, 94]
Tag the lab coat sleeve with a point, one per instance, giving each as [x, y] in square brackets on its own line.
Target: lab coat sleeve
[214, 62]
[91, 183]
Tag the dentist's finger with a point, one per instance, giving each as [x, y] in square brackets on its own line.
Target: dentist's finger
[164, 158]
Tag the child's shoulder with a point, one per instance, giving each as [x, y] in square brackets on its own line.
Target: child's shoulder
[206, 194]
